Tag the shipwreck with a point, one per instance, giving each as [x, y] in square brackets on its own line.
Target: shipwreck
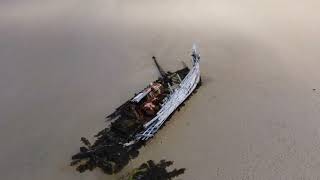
[139, 119]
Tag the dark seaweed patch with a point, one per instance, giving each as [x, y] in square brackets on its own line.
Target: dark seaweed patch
[152, 171]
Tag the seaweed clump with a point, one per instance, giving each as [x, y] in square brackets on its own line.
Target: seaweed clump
[152, 171]
[108, 151]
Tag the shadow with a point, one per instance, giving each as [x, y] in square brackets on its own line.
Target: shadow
[206, 80]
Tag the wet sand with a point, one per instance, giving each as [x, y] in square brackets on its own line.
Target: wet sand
[65, 65]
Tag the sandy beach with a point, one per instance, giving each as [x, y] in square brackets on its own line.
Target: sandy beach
[64, 65]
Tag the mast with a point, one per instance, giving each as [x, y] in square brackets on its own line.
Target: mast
[163, 74]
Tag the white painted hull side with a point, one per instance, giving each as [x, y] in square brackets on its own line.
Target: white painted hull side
[186, 87]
